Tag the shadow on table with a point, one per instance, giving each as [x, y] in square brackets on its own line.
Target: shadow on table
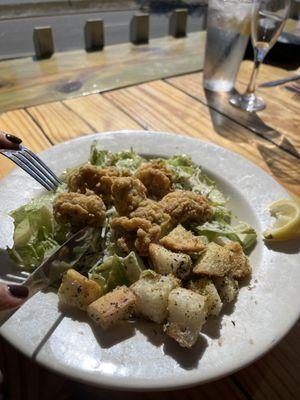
[233, 124]
[225, 116]
[287, 172]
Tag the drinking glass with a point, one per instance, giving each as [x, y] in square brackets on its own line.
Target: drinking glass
[228, 31]
[267, 21]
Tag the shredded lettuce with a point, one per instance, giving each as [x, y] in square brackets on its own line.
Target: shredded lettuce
[98, 156]
[116, 271]
[36, 234]
[188, 176]
[123, 159]
[242, 232]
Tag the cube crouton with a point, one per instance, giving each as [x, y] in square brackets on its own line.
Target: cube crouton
[167, 262]
[240, 266]
[227, 288]
[152, 294]
[206, 288]
[215, 261]
[112, 307]
[187, 313]
[78, 291]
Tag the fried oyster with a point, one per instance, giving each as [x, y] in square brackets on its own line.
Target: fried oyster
[145, 225]
[79, 210]
[156, 177]
[98, 180]
[183, 206]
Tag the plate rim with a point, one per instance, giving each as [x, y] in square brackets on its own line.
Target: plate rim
[141, 384]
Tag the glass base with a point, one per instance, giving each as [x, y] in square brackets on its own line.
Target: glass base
[248, 102]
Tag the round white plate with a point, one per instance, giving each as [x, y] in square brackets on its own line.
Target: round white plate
[137, 356]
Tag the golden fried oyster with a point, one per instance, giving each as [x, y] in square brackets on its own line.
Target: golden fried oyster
[99, 180]
[154, 213]
[79, 210]
[145, 225]
[127, 193]
[156, 177]
[137, 234]
[183, 205]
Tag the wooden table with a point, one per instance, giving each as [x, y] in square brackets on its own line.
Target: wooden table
[176, 104]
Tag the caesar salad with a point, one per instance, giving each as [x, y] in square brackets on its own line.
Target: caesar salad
[163, 245]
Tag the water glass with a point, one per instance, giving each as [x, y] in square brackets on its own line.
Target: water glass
[228, 30]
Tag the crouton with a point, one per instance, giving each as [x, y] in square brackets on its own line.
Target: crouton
[166, 262]
[78, 291]
[152, 294]
[206, 288]
[215, 261]
[113, 307]
[240, 266]
[227, 288]
[182, 240]
[187, 313]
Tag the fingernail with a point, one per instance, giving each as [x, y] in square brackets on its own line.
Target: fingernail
[18, 291]
[13, 138]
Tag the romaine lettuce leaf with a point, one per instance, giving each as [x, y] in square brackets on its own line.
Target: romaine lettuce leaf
[36, 234]
[98, 156]
[242, 232]
[116, 271]
[122, 159]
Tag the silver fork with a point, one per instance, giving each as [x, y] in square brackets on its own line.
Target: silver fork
[11, 147]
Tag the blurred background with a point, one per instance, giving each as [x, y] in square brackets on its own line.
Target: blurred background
[67, 19]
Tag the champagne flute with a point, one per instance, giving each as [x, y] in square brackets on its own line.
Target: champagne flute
[267, 21]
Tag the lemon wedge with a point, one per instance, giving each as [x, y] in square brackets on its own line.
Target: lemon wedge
[287, 224]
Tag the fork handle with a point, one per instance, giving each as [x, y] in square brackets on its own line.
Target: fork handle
[9, 142]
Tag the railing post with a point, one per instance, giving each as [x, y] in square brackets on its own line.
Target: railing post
[178, 22]
[43, 42]
[139, 29]
[94, 34]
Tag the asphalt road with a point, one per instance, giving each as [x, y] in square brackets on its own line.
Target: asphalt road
[16, 34]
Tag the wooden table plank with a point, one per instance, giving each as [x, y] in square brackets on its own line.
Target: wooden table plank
[100, 113]
[21, 124]
[281, 114]
[222, 389]
[58, 122]
[26, 82]
[158, 105]
[276, 375]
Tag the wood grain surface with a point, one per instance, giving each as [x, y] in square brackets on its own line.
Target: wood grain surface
[26, 82]
[101, 114]
[278, 123]
[177, 105]
[159, 106]
[58, 122]
[21, 124]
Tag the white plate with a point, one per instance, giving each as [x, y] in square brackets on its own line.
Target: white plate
[137, 356]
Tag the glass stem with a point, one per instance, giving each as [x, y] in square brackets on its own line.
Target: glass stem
[252, 84]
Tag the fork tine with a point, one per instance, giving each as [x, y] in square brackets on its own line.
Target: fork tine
[38, 161]
[36, 170]
[14, 157]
